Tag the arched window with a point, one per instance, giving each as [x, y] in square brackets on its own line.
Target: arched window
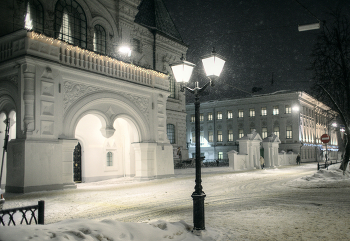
[99, 39]
[70, 23]
[171, 133]
[34, 18]
[109, 159]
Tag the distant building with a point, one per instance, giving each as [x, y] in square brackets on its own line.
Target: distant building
[296, 118]
[81, 109]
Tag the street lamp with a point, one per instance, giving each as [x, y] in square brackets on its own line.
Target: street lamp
[182, 71]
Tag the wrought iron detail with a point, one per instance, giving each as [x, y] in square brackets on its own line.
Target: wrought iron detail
[28, 215]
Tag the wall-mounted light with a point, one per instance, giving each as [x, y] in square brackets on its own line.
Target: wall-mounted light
[295, 108]
[125, 50]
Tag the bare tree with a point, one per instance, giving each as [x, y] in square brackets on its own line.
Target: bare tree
[331, 70]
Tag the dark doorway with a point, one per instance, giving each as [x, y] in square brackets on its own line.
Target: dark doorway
[77, 163]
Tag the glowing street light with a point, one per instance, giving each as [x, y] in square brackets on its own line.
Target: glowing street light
[213, 65]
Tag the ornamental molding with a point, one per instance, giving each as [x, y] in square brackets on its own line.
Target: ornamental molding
[11, 79]
[75, 91]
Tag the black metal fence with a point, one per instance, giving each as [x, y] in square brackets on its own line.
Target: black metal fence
[326, 164]
[190, 163]
[29, 214]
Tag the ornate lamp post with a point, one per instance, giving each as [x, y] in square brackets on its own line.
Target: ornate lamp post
[182, 71]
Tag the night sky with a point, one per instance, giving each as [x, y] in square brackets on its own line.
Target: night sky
[259, 39]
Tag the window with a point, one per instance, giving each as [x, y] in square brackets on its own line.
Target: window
[210, 116]
[193, 137]
[34, 17]
[136, 45]
[171, 133]
[193, 119]
[240, 113]
[251, 112]
[210, 136]
[230, 135]
[288, 109]
[229, 114]
[70, 23]
[219, 115]
[109, 159]
[276, 131]
[99, 39]
[263, 111]
[289, 133]
[275, 110]
[219, 136]
[201, 117]
[240, 133]
[263, 132]
[220, 155]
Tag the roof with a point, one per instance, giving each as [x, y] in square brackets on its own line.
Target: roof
[154, 15]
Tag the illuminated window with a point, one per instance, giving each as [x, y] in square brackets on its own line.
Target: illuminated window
[276, 131]
[240, 133]
[275, 110]
[219, 136]
[240, 113]
[263, 111]
[201, 117]
[109, 159]
[288, 109]
[193, 119]
[230, 135]
[219, 115]
[263, 132]
[220, 155]
[251, 112]
[210, 136]
[70, 23]
[34, 16]
[99, 39]
[289, 133]
[210, 116]
[171, 133]
[229, 114]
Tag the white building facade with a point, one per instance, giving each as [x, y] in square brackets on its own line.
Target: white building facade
[79, 109]
[298, 119]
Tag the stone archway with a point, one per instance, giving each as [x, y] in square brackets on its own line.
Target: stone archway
[105, 154]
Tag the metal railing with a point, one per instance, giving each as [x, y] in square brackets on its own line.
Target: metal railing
[29, 214]
[326, 164]
[190, 163]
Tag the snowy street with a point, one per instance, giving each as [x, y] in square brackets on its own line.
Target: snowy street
[269, 204]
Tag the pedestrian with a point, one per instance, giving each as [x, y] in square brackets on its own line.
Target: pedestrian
[217, 162]
[298, 159]
[262, 162]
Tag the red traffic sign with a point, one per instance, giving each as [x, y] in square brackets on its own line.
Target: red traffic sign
[325, 138]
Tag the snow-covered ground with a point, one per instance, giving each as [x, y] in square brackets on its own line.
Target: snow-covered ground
[287, 203]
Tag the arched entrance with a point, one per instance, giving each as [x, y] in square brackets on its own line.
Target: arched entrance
[104, 152]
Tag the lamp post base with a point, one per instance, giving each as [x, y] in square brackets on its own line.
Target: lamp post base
[198, 211]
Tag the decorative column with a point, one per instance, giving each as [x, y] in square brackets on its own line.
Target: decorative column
[67, 162]
[28, 97]
[270, 145]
